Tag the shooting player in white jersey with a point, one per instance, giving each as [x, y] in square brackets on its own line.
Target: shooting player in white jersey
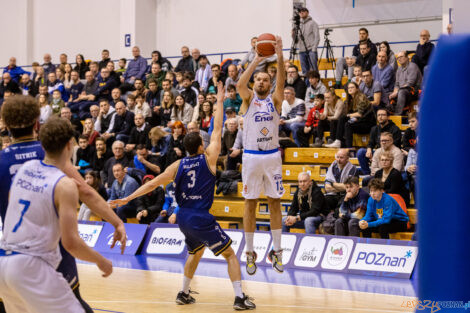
[262, 163]
[42, 210]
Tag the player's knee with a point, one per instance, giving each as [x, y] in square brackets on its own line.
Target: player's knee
[228, 253]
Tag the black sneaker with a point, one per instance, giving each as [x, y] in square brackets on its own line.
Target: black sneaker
[251, 262]
[245, 303]
[276, 259]
[184, 298]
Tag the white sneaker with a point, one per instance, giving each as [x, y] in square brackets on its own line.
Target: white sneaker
[335, 144]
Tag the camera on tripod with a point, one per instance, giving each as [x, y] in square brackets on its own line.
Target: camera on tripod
[328, 31]
[296, 18]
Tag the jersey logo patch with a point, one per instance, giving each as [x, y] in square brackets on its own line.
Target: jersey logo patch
[264, 131]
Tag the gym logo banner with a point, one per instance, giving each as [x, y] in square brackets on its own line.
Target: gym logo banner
[310, 251]
[337, 253]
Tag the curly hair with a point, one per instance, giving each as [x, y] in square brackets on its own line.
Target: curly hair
[55, 134]
[20, 112]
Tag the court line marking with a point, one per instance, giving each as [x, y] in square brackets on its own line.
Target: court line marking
[106, 310]
[263, 305]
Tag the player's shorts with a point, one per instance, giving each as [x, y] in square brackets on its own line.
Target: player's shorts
[30, 284]
[68, 267]
[262, 170]
[201, 230]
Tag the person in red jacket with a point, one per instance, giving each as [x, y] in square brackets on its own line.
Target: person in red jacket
[311, 125]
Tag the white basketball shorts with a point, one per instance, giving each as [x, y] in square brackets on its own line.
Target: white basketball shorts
[262, 172]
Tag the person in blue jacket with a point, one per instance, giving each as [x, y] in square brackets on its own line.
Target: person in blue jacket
[14, 71]
[384, 215]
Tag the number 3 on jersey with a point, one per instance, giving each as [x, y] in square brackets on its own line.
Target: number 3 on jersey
[192, 176]
[26, 207]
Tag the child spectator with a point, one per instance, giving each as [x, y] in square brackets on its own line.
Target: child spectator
[84, 154]
[57, 103]
[233, 99]
[311, 126]
[142, 107]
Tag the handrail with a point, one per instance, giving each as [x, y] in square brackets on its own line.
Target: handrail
[222, 54]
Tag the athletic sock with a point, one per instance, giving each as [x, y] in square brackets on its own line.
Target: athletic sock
[249, 241]
[276, 233]
[186, 282]
[237, 288]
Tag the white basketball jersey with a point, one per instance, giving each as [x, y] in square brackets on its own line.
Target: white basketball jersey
[32, 222]
[261, 125]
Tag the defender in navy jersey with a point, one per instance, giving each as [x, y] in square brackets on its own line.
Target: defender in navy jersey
[20, 114]
[194, 179]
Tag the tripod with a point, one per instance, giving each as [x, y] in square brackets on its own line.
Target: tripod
[293, 51]
[330, 57]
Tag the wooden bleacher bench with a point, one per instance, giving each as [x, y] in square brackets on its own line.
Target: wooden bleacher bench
[341, 93]
[229, 224]
[224, 208]
[324, 65]
[312, 155]
[413, 215]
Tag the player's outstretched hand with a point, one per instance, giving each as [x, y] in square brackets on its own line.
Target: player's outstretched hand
[278, 46]
[118, 202]
[106, 266]
[121, 236]
[220, 92]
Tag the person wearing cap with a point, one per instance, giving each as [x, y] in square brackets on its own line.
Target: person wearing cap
[308, 47]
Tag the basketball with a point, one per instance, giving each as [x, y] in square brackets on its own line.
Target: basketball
[265, 44]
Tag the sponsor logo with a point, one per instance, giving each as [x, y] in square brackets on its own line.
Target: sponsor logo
[337, 253]
[262, 117]
[264, 131]
[385, 258]
[26, 185]
[36, 175]
[310, 251]
[166, 241]
[110, 237]
[89, 233]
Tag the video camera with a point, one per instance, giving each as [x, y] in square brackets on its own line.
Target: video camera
[328, 31]
[296, 18]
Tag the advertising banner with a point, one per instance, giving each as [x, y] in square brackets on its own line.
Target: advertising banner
[135, 235]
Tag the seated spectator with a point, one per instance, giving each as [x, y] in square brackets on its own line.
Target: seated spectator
[89, 131]
[26, 86]
[182, 111]
[185, 64]
[120, 157]
[423, 50]
[45, 109]
[39, 79]
[237, 150]
[272, 71]
[105, 85]
[315, 86]
[293, 114]
[87, 97]
[94, 112]
[75, 89]
[196, 54]
[407, 83]
[384, 73]
[7, 84]
[57, 103]
[15, 71]
[311, 126]
[366, 58]
[347, 63]
[228, 139]
[84, 154]
[411, 169]
[100, 155]
[307, 208]
[54, 84]
[105, 122]
[94, 69]
[295, 81]
[123, 186]
[47, 65]
[148, 163]
[131, 103]
[373, 90]
[334, 109]
[409, 138]
[233, 75]
[203, 73]
[170, 207]
[338, 172]
[392, 179]
[352, 209]
[135, 70]
[357, 70]
[166, 109]
[151, 203]
[156, 74]
[188, 92]
[194, 128]
[383, 125]
[233, 99]
[176, 148]
[60, 74]
[165, 65]
[76, 123]
[360, 118]
[81, 67]
[142, 107]
[139, 88]
[104, 59]
[113, 74]
[167, 86]
[122, 67]
[159, 141]
[92, 178]
[391, 59]
[386, 145]
[123, 123]
[153, 100]
[139, 133]
[205, 116]
[384, 215]
[249, 57]
[217, 76]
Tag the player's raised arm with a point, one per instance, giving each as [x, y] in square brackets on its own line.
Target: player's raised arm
[242, 86]
[66, 199]
[164, 178]
[278, 94]
[213, 150]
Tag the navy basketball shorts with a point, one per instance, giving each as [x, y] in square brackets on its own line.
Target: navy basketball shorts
[201, 229]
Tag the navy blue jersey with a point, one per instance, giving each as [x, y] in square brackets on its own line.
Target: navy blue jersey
[11, 159]
[195, 184]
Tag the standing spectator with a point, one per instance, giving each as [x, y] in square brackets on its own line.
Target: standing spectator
[373, 90]
[123, 186]
[203, 74]
[15, 71]
[123, 123]
[360, 118]
[151, 203]
[100, 156]
[386, 145]
[334, 110]
[135, 70]
[293, 113]
[338, 172]
[120, 157]
[182, 111]
[410, 136]
[423, 50]
[104, 59]
[81, 67]
[391, 177]
[139, 133]
[91, 178]
[352, 209]
[308, 52]
[383, 125]
[407, 83]
[384, 73]
[384, 215]
[315, 86]
[47, 65]
[295, 81]
[185, 64]
[176, 148]
[308, 206]
[391, 59]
